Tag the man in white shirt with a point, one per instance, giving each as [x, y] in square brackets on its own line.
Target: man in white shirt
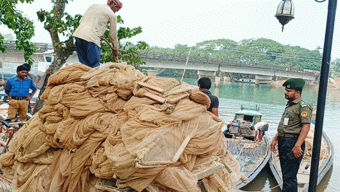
[91, 29]
[260, 129]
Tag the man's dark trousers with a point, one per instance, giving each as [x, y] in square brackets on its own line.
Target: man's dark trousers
[289, 167]
[88, 53]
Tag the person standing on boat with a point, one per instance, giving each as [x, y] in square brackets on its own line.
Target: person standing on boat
[91, 29]
[17, 88]
[204, 85]
[292, 132]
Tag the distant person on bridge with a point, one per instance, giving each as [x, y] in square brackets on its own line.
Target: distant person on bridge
[91, 29]
[292, 132]
[17, 88]
[204, 85]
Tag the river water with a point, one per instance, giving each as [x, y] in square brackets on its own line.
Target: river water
[272, 103]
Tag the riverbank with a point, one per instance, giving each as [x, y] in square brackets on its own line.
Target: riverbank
[332, 84]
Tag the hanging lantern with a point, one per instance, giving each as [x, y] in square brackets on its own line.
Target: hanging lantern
[285, 12]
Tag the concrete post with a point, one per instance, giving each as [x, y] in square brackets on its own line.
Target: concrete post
[217, 81]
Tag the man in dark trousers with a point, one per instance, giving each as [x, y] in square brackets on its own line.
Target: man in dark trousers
[17, 88]
[292, 132]
[204, 85]
[91, 29]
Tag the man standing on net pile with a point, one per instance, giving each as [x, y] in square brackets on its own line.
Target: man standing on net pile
[91, 29]
[204, 85]
[292, 132]
[17, 88]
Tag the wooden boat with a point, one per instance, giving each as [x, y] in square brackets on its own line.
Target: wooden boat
[252, 156]
[243, 123]
[325, 163]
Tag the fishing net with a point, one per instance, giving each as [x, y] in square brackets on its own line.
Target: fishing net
[113, 127]
[309, 145]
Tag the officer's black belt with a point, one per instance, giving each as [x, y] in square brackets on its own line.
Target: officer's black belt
[288, 135]
[18, 98]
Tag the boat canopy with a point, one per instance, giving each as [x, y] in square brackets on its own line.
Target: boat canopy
[249, 112]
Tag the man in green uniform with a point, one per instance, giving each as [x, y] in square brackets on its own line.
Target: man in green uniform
[292, 132]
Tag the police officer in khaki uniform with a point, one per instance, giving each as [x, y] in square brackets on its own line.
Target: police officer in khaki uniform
[292, 132]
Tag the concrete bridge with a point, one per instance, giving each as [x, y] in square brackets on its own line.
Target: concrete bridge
[210, 67]
[217, 67]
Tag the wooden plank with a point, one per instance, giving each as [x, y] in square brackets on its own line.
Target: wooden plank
[209, 172]
[157, 89]
[181, 149]
[218, 183]
[154, 97]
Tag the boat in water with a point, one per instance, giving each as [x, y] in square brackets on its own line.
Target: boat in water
[252, 155]
[325, 162]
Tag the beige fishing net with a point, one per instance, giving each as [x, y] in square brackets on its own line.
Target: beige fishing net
[115, 125]
[309, 145]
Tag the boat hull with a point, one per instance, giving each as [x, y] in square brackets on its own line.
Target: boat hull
[252, 159]
[303, 174]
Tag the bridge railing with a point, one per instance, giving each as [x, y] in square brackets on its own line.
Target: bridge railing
[205, 60]
[41, 47]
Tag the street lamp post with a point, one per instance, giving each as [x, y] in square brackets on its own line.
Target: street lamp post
[285, 12]
[322, 86]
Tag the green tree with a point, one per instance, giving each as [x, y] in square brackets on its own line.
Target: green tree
[251, 51]
[128, 51]
[22, 27]
[335, 68]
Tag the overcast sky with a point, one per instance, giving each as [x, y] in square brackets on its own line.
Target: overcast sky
[167, 23]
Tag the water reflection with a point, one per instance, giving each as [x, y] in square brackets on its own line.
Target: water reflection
[265, 181]
[323, 185]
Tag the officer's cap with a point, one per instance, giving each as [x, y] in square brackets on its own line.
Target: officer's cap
[294, 83]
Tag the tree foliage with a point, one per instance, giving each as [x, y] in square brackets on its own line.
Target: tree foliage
[22, 27]
[253, 51]
[335, 68]
[128, 51]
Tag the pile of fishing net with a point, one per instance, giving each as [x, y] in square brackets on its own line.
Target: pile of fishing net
[114, 124]
[309, 145]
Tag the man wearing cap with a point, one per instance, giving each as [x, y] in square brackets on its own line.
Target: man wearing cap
[17, 88]
[292, 132]
[91, 29]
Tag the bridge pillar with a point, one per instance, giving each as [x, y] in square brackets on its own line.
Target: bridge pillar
[257, 82]
[217, 81]
[263, 79]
